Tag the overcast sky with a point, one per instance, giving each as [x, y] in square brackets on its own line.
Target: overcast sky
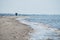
[30, 6]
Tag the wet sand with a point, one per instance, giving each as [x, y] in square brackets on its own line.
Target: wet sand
[11, 29]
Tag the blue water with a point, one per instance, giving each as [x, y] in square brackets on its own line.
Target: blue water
[53, 20]
[46, 27]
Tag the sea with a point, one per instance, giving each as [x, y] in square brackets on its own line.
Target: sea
[47, 27]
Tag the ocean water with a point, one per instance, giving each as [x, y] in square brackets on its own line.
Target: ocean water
[47, 27]
[52, 20]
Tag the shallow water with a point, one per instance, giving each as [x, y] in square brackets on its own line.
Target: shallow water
[43, 31]
[53, 20]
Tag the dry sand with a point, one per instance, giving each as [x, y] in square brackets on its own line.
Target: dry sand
[11, 29]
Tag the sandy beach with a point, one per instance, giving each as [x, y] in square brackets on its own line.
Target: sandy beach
[11, 29]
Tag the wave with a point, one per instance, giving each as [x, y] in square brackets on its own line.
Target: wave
[42, 31]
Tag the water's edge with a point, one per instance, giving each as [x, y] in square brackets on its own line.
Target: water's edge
[42, 31]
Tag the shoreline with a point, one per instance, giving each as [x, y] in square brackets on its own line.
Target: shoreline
[12, 29]
[44, 30]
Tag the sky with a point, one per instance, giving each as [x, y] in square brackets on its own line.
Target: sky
[30, 6]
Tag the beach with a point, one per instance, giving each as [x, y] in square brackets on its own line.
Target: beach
[12, 29]
[24, 28]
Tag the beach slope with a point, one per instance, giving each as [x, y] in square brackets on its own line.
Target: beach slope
[11, 29]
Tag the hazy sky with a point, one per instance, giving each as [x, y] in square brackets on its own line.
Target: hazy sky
[30, 6]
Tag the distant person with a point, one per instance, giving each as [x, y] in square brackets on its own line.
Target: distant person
[16, 14]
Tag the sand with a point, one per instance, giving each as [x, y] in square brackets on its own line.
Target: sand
[11, 29]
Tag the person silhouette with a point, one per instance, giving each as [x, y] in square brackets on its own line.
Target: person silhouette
[16, 14]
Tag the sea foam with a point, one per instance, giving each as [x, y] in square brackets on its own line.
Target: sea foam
[42, 31]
